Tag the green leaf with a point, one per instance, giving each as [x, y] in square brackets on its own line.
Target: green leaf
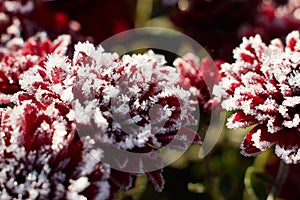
[249, 192]
[256, 180]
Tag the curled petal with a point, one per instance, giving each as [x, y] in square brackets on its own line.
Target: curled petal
[157, 179]
[240, 120]
[256, 141]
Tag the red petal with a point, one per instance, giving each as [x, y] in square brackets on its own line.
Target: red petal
[156, 179]
[241, 120]
[288, 137]
[118, 180]
[287, 147]
[121, 179]
[291, 43]
[247, 58]
[257, 140]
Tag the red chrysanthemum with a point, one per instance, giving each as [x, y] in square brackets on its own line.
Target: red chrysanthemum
[136, 102]
[19, 56]
[10, 23]
[49, 87]
[41, 157]
[262, 86]
[199, 77]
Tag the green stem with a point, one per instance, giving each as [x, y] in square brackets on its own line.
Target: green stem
[281, 175]
[210, 182]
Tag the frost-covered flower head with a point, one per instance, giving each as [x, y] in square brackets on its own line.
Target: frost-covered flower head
[137, 105]
[262, 86]
[49, 87]
[41, 157]
[24, 18]
[11, 13]
[199, 76]
[126, 90]
[12, 16]
[18, 56]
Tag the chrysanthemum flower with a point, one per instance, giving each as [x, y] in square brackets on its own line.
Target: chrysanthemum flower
[50, 87]
[199, 76]
[10, 23]
[135, 101]
[19, 56]
[24, 18]
[262, 86]
[41, 157]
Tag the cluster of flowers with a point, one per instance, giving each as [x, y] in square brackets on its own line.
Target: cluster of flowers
[63, 119]
[70, 123]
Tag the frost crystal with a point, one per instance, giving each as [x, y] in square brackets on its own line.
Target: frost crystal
[262, 86]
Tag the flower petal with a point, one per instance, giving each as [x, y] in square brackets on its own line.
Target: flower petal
[156, 179]
[287, 147]
[240, 120]
[256, 141]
